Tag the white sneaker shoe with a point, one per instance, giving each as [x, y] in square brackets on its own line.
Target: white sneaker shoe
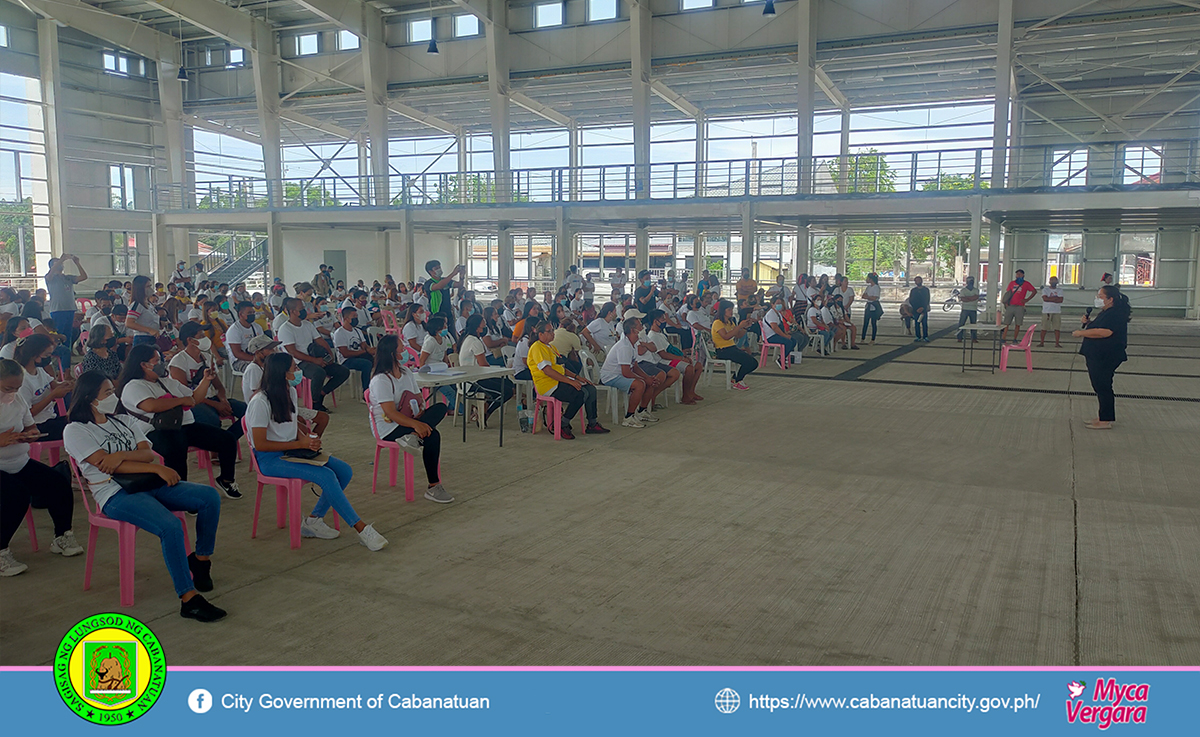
[65, 545]
[372, 539]
[631, 421]
[645, 415]
[410, 442]
[10, 566]
[316, 527]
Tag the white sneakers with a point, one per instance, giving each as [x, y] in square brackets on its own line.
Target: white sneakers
[631, 421]
[316, 527]
[65, 545]
[10, 566]
[645, 415]
[410, 442]
[372, 539]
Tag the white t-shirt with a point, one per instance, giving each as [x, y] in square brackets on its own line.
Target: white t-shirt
[301, 336]
[195, 314]
[660, 344]
[278, 322]
[236, 334]
[82, 439]
[772, 316]
[827, 316]
[603, 332]
[847, 295]
[414, 331]
[251, 378]
[460, 324]
[619, 281]
[33, 386]
[388, 388]
[436, 350]
[472, 346]
[115, 327]
[872, 290]
[139, 390]
[352, 339]
[699, 317]
[521, 357]
[1051, 308]
[7, 350]
[191, 367]
[12, 308]
[258, 414]
[810, 317]
[573, 282]
[623, 353]
[276, 301]
[14, 417]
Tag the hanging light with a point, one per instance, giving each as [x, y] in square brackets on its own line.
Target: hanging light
[432, 46]
[182, 75]
[432, 37]
[769, 9]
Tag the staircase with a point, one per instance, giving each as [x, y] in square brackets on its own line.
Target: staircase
[232, 271]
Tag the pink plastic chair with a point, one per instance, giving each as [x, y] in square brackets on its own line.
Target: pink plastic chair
[1026, 345]
[287, 499]
[204, 462]
[555, 406]
[126, 533]
[766, 349]
[33, 543]
[53, 447]
[390, 324]
[394, 451]
[305, 392]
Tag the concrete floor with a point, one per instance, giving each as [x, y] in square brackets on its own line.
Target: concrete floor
[914, 516]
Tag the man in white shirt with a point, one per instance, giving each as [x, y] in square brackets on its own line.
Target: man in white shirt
[574, 280]
[677, 366]
[353, 350]
[239, 335]
[187, 367]
[619, 280]
[621, 371]
[301, 339]
[1052, 299]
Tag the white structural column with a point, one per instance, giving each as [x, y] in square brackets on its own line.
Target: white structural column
[976, 206]
[806, 48]
[641, 254]
[497, 61]
[275, 263]
[800, 254]
[748, 249]
[401, 239]
[264, 61]
[701, 154]
[52, 97]
[843, 184]
[504, 260]
[1001, 111]
[462, 165]
[564, 244]
[639, 30]
[375, 81]
[170, 101]
[573, 163]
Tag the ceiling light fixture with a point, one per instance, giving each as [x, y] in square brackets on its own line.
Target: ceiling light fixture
[182, 76]
[769, 9]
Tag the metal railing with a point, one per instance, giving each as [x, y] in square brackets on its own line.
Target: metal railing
[1170, 162]
[234, 270]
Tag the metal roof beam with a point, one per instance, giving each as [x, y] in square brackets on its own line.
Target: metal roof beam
[545, 111]
[674, 99]
[309, 121]
[115, 29]
[830, 89]
[477, 8]
[350, 15]
[240, 133]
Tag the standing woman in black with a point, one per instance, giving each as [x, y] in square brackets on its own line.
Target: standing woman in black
[1103, 347]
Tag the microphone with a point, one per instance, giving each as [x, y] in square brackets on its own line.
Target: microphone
[1088, 313]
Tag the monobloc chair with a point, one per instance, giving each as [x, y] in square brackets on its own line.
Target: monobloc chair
[53, 447]
[556, 407]
[1026, 345]
[395, 450]
[287, 499]
[765, 350]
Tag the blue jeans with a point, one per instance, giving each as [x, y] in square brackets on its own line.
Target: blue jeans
[152, 511]
[788, 344]
[206, 415]
[922, 324]
[142, 338]
[64, 325]
[363, 366]
[333, 478]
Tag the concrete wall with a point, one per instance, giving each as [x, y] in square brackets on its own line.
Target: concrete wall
[370, 254]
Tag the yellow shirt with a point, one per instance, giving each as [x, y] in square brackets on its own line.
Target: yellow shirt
[718, 341]
[540, 353]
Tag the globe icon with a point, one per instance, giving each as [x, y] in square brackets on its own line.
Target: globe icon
[727, 701]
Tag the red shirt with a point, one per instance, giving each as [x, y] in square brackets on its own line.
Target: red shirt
[1020, 294]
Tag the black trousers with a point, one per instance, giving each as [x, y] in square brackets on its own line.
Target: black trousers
[747, 364]
[41, 486]
[573, 399]
[498, 391]
[685, 336]
[53, 428]
[431, 447]
[871, 317]
[324, 379]
[173, 446]
[1100, 371]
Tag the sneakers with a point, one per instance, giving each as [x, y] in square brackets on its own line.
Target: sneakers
[437, 493]
[372, 539]
[316, 527]
[566, 434]
[199, 609]
[631, 421]
[645, 415]
[10, 566]
[595, 429]
[410, 441]
[740, 386]
[229, 489]
[65, 545]
[201, 572]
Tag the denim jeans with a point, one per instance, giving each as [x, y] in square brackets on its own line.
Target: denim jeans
[152, 511]
[921, 322]
[363, 366]
[788, 344]
[64, 325]
[333, 478]
[963, 316]
[206, 415]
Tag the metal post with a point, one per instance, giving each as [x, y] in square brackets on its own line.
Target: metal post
[805, 91]
[51, 84]
[498, 78]
[1001, 106]
[504, 259]
[640, 22]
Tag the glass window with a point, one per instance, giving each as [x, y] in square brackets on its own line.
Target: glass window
[420, 30]
[695, 4]
[1135, 261]
[347, 41]
[4, 36]
[1064, 257]
[124, 254]
[548, 14]
[1143, 165]
[601, 9]
[237, 57]
[120, 185]
[1069, 168]
[306, 44]
[466, 25]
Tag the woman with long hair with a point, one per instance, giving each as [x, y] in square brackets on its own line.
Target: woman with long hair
[102, 353]
[103, 445]
[1103, 347]
[414, 332]
[144, 392]
[531, 315]
[472, 352]
[395, 405]
[873, 310]
[39, 389]
[725, 332]
[142, 318]
[274, 433]
[16, 328]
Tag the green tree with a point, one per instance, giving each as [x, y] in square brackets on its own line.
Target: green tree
[867, 171]
[15, 216]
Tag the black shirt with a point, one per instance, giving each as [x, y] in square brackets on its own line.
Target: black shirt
[1111, 348]
[919, 297]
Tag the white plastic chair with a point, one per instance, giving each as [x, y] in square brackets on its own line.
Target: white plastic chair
[706, 357]
[591, 372]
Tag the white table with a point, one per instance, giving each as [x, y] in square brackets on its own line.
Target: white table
[969, 345]
[465, 375]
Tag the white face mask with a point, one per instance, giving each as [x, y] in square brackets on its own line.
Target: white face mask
[205, 344]
[108, 405]
[8, 397]
[1099, 303]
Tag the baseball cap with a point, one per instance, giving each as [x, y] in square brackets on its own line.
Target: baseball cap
[259, 342]
[633, 313]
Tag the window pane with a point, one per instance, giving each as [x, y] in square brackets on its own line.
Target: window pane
[123, 64]
[1143, 165]
[1069, 168]
[602, 9]
[306, 44]
[236, 57]
[550, 14]
[420, 30]
[347, 41]
[466, 25]
[3, 35]
[696, 4]
[1065, 257]
[1136, 265]
[110, 61]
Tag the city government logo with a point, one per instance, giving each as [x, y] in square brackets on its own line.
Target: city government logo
[109, 669]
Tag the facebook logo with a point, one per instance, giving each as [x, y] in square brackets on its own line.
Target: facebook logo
[200, 701]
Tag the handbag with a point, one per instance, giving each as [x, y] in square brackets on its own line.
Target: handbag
[135, 483]
[171, 419]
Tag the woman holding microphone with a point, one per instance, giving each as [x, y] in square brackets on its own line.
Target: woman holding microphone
[1103, 347]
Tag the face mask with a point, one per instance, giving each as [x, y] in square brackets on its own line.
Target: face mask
[444, 333]
[779, 308]
[303, 313]
[1020, 280]
[646, 283]
[106, 310]
[1099, 303]
[44, 362]
[296, 379]
[8, 397]
[160, 369]
[110, 343]
[25, 333]
[107, 406]
[354, 322]
[205, 344]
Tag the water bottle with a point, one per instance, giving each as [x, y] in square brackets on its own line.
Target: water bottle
[524, 418]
